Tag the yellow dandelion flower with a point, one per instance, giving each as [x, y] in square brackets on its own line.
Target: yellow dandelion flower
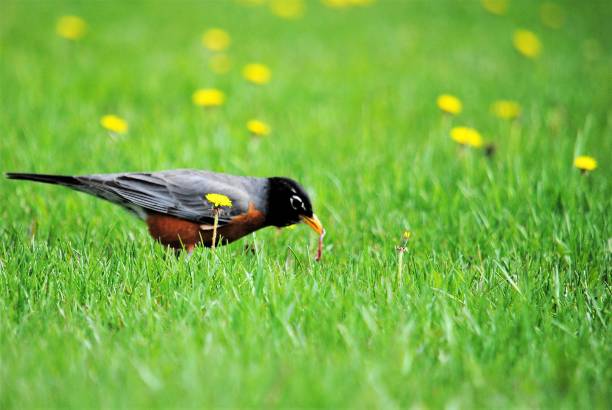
[218, 200]
[220, 63]
[527, 43]
[257, 73]
[506, 109]
[552, 15]
[585, 163]
[499, 7]
[208, 97]
[71, 27]
[466, 136]
[449, 104]
[258, 128]
[336, 4]
[216, 39]
[407, 235]
[288, 9]
[114, 124]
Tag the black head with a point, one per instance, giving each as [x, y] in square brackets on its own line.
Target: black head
[289, 204]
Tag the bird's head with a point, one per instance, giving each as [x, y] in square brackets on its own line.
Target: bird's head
[289, 204]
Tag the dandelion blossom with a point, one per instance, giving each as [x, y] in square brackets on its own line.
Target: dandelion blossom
[585, 163]
[552, 15]
[257, 73]
[336, 4]
[218, 200]
[527, 43]
[288, 9]
[506, 109]
[71, 27]
[114, 124]
[466, 136]
[449, 104]
[499, 7]
[258, 128]
[208, 97]
[216, 39]
[220, 63]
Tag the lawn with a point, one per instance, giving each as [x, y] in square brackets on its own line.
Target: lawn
[504, 295]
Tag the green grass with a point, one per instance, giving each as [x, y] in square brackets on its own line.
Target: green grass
[505, 298]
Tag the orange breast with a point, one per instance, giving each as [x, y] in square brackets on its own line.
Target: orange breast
[178, 233]
[174, 232]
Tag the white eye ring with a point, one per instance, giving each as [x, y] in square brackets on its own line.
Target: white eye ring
[296, 202]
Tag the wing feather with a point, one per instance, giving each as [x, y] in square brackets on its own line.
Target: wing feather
[180, 193]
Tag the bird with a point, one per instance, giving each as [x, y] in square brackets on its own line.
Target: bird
[178, 214]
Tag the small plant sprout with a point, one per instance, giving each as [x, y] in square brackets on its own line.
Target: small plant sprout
[585, 163]
[217, 201]
[401, 249]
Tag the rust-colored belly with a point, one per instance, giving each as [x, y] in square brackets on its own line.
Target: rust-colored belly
[178, 233]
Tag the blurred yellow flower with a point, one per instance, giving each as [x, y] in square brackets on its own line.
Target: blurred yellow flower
[208, 97]
[216, 39]
[449, 104]
[220, 63]
[71, 27]
[258, 128]
[257, 73]
[506, 109]
[114, 123]
[527, 43]
[218, 200]
[336, 4]
[466, 136]
[499, 7]
[407, 235]
[585, 163]
[288, 9]
[552, 15]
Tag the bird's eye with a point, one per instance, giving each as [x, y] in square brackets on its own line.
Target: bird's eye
[296, 202]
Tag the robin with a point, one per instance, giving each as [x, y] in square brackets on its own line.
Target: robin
[175, 207]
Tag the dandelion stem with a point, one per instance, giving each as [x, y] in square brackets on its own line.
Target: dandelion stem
[214, 237]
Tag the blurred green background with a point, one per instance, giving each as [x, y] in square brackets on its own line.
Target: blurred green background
[504, 295]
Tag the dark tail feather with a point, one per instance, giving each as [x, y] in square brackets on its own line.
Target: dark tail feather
[47, 179]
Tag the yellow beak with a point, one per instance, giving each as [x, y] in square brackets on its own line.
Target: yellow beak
[314, 223]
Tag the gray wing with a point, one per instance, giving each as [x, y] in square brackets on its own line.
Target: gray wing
[180, 193]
